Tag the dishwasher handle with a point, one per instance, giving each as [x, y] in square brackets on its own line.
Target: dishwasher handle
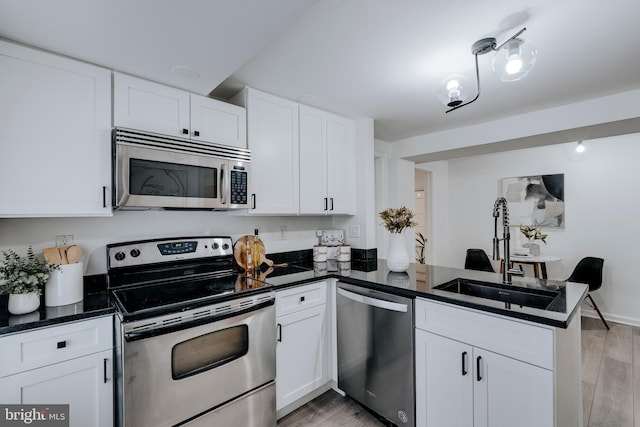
[374, 302]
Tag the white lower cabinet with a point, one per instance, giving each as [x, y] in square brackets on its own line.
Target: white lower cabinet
[68, 364]
[481, 370]
[85, 384]
[301, 352]
[461, 386]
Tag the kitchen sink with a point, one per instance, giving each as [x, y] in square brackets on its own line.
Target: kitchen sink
[534, 298]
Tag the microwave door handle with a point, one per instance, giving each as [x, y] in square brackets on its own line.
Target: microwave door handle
[223, 184]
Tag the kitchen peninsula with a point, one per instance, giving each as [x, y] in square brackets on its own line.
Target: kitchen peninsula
[481, 361]
[501, 363]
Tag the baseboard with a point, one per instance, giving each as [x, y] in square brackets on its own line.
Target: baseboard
[303, 400]
[625, 320]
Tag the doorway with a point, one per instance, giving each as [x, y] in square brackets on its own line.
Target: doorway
[423, 216]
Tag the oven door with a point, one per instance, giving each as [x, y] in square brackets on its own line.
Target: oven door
[148, 177]
[170, 378]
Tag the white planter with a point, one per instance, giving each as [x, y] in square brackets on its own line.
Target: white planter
[23, 303]
[398, 258]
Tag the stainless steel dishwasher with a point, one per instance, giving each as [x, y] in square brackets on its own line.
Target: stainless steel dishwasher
[375, 351]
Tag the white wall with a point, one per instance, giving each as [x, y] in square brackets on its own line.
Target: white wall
[602, 209]
[92, 234]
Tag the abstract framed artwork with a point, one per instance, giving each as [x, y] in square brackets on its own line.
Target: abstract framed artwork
[535, 200]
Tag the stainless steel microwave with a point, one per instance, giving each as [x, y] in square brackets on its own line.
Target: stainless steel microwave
[158, 171]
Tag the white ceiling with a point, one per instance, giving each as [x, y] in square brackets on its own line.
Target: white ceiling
[378, 58]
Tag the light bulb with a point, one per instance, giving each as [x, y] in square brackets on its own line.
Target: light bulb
[580, 148]
[513, 66]
[453, 90]
[514, 60]
[452, 85]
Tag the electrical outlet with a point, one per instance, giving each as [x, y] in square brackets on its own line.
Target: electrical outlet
[63, 240]
[354, 230]
[283, 232]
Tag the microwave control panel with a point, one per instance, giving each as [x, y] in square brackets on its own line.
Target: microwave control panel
[239, 187]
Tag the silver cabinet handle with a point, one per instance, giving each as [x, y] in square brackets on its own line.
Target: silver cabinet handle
[374, 302]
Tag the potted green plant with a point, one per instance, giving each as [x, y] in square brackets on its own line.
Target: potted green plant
[421, 244]
[24, 278]
[396, 221]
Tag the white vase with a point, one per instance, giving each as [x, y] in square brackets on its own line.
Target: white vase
[398, 258]
[534, 248]
[23, 303]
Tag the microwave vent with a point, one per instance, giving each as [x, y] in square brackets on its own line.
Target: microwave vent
[170, 143]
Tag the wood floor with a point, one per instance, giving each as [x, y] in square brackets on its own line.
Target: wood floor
[610, 385]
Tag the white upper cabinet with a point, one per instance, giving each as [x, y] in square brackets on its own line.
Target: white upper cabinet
[327, 163]
[55, 127]
[303, 158]
[272, 134]
[144, 105]
[218, 122]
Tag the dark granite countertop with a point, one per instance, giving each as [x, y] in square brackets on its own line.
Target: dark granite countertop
[422, 283]
[373, 275]
[92, 305]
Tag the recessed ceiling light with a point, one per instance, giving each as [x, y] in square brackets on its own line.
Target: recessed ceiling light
[185, 72]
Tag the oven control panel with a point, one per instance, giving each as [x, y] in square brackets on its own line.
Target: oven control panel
[143, 252]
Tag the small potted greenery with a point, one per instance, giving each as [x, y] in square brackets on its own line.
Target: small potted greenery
[24, 278]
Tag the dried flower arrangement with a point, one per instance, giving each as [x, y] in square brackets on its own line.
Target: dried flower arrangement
[533, 233]
[396, 220]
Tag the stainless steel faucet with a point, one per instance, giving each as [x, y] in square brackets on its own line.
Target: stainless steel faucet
[507, 270]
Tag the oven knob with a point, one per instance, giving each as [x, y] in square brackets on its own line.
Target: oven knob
[119, 256]
[215, 246]
[225, 246]
[135, 253]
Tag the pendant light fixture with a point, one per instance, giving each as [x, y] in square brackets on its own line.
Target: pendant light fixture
[513, 61]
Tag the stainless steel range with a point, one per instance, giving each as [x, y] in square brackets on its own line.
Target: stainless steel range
[196, 342]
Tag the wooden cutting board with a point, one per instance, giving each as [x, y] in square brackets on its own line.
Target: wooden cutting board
[240, 251]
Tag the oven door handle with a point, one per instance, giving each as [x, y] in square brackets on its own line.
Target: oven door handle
[162, 330]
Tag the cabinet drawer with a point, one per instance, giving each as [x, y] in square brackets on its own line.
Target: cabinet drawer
[295, 299]
[521, 341]
[41, 347]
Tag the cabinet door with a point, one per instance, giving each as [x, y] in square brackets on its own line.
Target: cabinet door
[444, 389]
[144, 105]
[218, 122]
[508, 392]
[85, 384]
[301, 361]
[341, 160]
[273, 140]
[313, 161]
[54, 135]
